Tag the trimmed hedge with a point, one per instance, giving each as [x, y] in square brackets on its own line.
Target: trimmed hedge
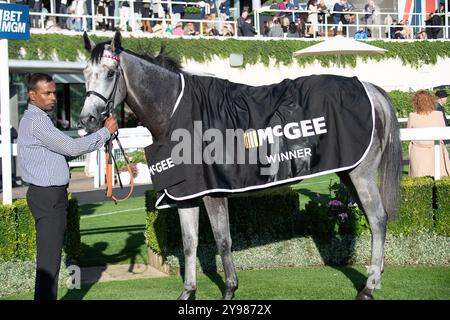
[416, 207]
[442, 212]
[26, 231]
[422, 248]
[256, 217]
[264, 225]
[18, 233]
[8, 239]
[64, 47]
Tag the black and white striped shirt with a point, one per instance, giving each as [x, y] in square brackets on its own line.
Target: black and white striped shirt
[42, 148]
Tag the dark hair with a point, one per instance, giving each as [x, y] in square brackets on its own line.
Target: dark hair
[34, 78]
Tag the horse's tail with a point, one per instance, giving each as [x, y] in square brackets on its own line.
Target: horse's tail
[391, 159]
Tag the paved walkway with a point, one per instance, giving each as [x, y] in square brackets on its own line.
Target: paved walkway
[119, 272]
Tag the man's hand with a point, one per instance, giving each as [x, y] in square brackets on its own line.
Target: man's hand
[111, 124]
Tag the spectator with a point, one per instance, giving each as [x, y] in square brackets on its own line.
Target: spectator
[276, 31]
[224, 9]
[247, 29]
[241, 22]
[189, 30]
[146, 14]
[266, 27]
[312, 18]
[292, 31]
[177, 11]
[441, 100]
[178, 30]
[422, 35]
[322, 16]
[301, 27]
[338, 9]
[361, 34]
[406, 30]
[369, 8]
[421, 153]
[124, 14]
[293, 5]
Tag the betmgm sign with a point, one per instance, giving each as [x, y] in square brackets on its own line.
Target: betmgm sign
[14, 21]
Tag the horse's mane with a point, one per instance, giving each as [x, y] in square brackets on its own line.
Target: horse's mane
[162, 59]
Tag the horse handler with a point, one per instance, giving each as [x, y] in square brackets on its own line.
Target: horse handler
[43, 152]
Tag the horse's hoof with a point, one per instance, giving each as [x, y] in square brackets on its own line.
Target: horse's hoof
[187, 295]
[365, 295]
[228, 295]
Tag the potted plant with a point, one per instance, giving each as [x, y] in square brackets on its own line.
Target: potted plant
[193, 13]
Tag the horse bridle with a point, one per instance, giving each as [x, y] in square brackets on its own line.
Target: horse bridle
[109, 107]
[109, 102]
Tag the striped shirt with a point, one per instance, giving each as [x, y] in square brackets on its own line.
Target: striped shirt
[42, 149]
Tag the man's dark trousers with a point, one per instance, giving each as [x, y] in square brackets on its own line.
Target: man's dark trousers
[48, 205]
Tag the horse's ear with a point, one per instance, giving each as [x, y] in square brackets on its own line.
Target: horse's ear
[116, 43]
[88, 43]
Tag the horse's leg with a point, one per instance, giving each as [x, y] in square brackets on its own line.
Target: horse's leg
[189, 232]
[217, 209]
[364, 180]
[345, 178]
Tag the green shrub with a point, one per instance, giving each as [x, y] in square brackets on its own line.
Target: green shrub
[442, 212]
[45, 46]
[257, 217]
[325, 217]
[422, 248]
[26, 231]
[402, 102]
[191, 9]
[18, 232]
[8, 226]
[416, 207]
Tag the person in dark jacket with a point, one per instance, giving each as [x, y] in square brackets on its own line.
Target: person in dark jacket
[441, 100]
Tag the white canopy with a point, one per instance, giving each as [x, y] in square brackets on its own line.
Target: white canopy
[339, 45]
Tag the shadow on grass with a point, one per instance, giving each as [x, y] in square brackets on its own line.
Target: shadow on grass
[96, 257]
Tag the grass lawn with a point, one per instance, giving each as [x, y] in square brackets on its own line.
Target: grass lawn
[113, 233]
[308, 283]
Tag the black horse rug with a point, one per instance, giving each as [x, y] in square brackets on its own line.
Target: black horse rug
[227, 138]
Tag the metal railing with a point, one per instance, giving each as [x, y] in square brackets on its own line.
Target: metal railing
[89, 22]
[359, 16]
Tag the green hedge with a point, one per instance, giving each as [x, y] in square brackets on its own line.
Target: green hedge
[18, 233]
[64, 47]
[8, 238]
[26, 231]
[416, 206]
[260, 222]
[442, 212]
[257, 217]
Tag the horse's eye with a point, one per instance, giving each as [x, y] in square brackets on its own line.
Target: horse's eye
[111, 73]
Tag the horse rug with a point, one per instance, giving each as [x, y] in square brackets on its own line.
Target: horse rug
[225, 137]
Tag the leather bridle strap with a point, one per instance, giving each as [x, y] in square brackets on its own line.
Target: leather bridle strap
[109, 170]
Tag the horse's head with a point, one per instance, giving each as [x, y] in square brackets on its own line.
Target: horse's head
[105, 84]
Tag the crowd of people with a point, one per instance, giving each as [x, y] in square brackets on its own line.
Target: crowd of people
[316, 19]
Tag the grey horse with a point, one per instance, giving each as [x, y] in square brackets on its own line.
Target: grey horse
[150, 87]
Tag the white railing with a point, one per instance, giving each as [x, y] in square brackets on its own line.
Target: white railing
[140, 137]
[144, 140]
[437, 134]
[359, 16]
[90, 21]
